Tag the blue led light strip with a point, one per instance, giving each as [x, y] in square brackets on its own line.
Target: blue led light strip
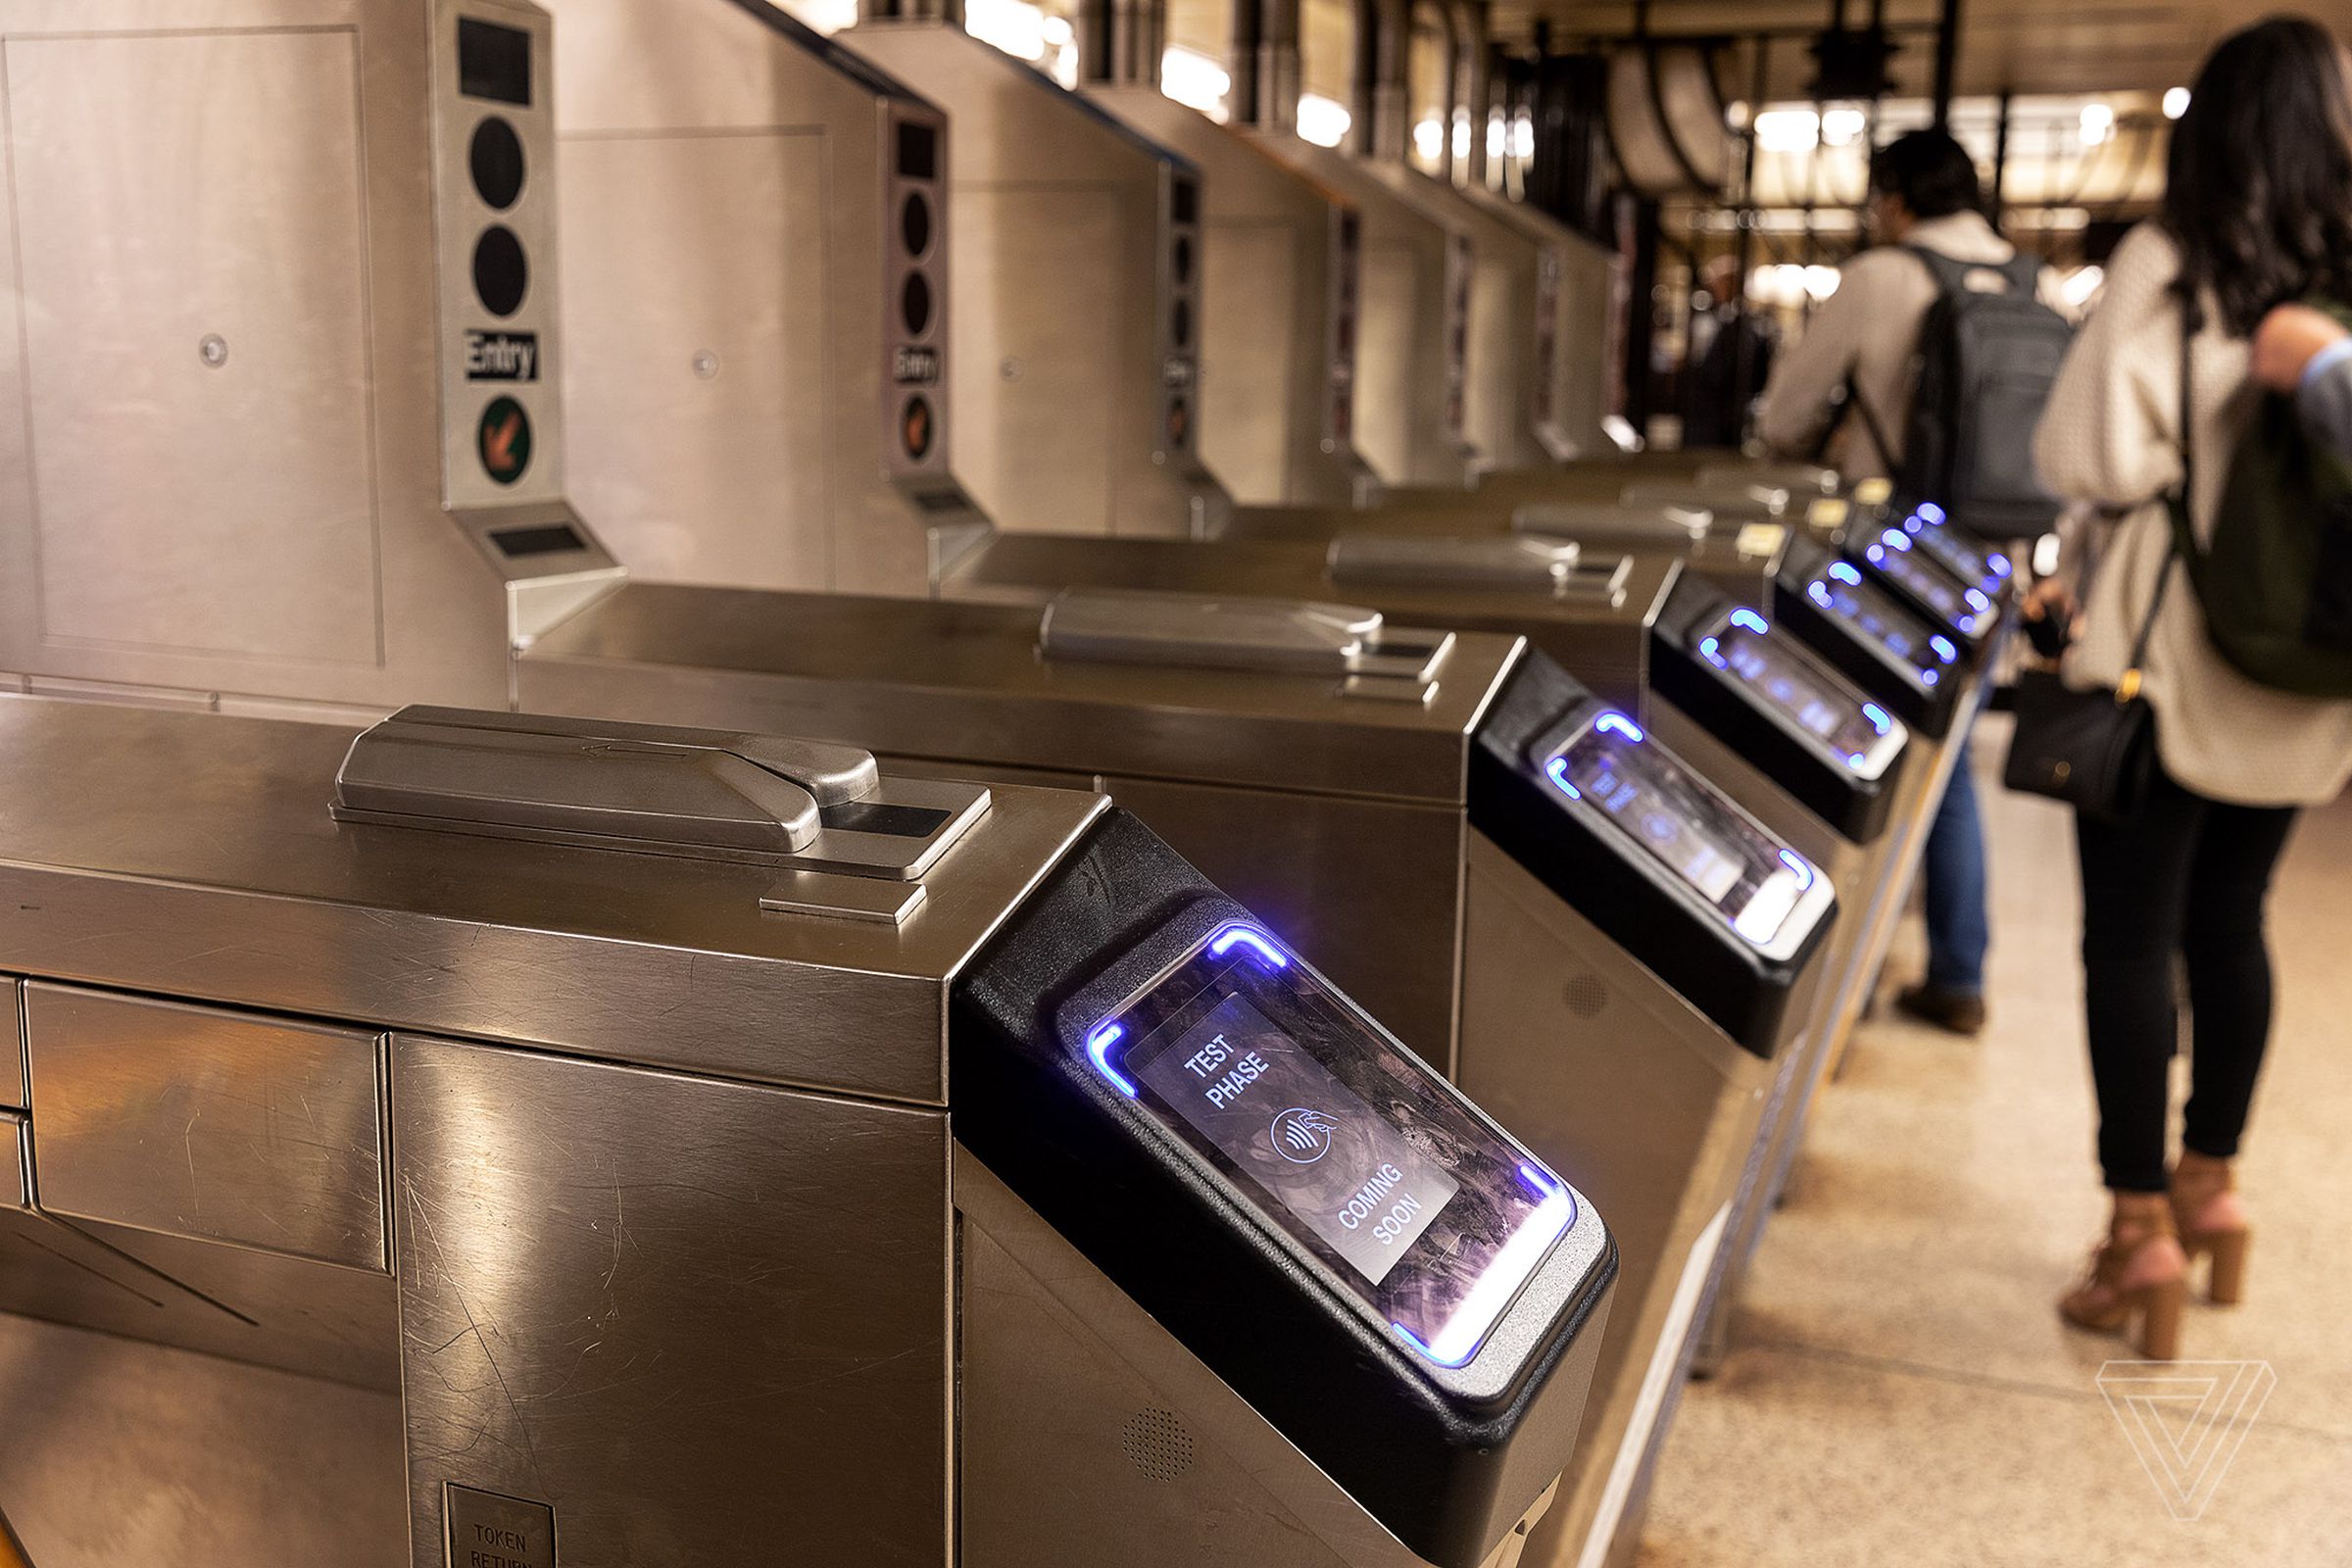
[1097, 1050]
[1466, 1329]
[1224, 940]
[1254, 939]
[1616, 723]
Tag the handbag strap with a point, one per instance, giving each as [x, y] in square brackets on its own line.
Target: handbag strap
[2178, 503]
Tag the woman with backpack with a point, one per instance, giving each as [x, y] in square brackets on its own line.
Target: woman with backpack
[2153, 402]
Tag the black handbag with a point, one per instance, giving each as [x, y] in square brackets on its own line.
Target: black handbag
[2097, 750]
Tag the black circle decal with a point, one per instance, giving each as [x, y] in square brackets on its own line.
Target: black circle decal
[494, 158]
[500, 275]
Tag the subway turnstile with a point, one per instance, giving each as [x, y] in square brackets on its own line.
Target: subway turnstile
[757, 250]
[754, 1143]
[1490, 853]
[1077, 290]
[1281, 310]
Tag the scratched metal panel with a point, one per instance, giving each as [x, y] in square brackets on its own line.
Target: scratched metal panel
[12, 1045]
[207, 1124]
[706, 1322]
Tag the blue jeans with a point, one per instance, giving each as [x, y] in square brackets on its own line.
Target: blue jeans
[1958, 927]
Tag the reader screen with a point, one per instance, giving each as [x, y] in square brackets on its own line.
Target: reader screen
[1672, 817]
[1869, 611]
[1342, 1140]
[1987, 569]
[1924, 582]
[1802, 694]
[1304, 1136]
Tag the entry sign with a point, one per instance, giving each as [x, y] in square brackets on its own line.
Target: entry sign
[501, 356]
[503, 439]
[490, 1529]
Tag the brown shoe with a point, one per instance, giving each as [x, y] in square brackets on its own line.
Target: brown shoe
[2138, 1275]
[1958, 1011]
[2212, 1222]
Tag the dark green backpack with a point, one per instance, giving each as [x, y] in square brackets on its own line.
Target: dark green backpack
[2277, 581]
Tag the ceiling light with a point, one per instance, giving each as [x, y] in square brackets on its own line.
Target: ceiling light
[1839, 126]
[1013, 26]
[1323, 120]
[827, 16]
[2176, 102]
[1194, 79]
[1788, 130]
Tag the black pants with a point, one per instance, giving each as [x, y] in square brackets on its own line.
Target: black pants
[2187, 876]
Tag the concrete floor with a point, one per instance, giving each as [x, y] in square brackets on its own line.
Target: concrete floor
[1900, 1389]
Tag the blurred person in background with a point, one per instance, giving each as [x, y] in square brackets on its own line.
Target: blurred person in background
[2257, 214]
[1857, 354]
[1729, 358]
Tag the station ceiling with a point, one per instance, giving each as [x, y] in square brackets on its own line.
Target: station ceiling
[2022, 46]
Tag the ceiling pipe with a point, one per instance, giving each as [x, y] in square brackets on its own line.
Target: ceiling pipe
[1477, 90]
[1451, 93]
[1267, 72]
[1391, 92]
[1245, 46]
[1947, 62]
[1120, 42]
[1363, 74]
[948, 11]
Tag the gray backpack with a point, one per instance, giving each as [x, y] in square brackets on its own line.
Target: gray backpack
[1986, 365]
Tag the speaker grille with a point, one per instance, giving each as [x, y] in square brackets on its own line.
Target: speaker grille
[1158, 1443]
[1585, 996]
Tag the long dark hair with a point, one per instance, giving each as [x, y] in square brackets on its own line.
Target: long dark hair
[2258, 188]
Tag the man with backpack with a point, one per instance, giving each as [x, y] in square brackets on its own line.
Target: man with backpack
[1930, 365]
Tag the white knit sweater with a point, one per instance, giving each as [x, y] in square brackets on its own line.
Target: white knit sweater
[2111, 437]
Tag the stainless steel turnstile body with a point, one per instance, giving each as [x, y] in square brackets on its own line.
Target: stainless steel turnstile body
[1329, 793]
[653, 1153]
[1741, 556]
[1323, 792]
[1577, 283]
[1281, 265]
[757, 246]
[1077, 293]
[1592, 614]
[1605, 642]
[1413, 336]
[279, 421]
[1508, 400]
[555, 1108]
